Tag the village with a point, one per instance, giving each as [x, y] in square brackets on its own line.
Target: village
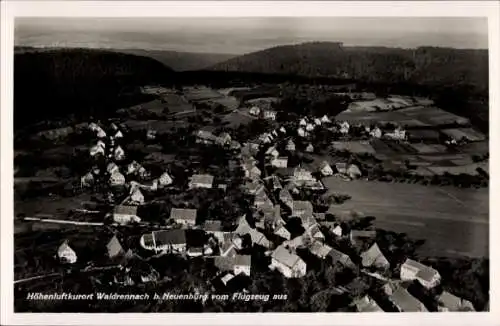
[286, 210]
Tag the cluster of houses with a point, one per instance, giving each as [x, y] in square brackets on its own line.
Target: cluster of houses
[273, 207]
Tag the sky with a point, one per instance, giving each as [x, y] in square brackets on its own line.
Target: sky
[244, 35]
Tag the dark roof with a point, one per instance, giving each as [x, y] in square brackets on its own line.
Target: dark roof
[405, 301]
[183, 214]
[243, 260]
[165, 237]
[224, 263]
[338, 256]
[148, 239]
[114, 247]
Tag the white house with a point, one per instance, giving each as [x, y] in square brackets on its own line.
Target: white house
[93, 126]
[125, 214]
[66, 254]
[317, 122]
[87, 180]
[119, 153]
[303, 122]
[326, 169]
[272, 152]
[353, 171]
[165, 179]
[116, 179]
[325, 119]
[136, 196]
[310, 127]
[112, 168]
[269, 114]
[283, 232]
[301, 174]
[344, 127]
[242, 264]
[376, 132]
[280, 162]
[172, 241]
[374, 257]
[413, 270]
[118, 134]
[301, 132]
[310, 148]
[96, 149]
[151, 134]
[101, 133]
[283, 130]
[201, 181]
[287, 263]
[133, 167]
[448, 302]
[255, 111]
[290, 146]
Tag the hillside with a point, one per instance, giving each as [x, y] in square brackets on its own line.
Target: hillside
[56, 83]
[426, 66]
[181, 61]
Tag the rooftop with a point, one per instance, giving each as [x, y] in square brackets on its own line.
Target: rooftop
[285, 257]
[166, 237]
[125, 210]
[405, 301]
[212, 225]
[185, 214]
[202, 179]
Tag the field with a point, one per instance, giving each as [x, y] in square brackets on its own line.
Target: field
[452, 221]
[468, 133]
[414, 116]
[201, 93]
[357, 147]
[158, 125]
[235, 119]
[55, 206]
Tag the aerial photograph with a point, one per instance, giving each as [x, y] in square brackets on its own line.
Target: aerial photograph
[251, 164]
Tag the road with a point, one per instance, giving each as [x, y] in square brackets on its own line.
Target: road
[452, 221]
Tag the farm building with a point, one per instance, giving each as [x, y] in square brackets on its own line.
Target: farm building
[319, 249]
[280, 162]
[287, 263]
[302, 208]
[201, 181]
[413, 270]
[117, 179]
[367, 304]
[374, 257]
[166, 240]
[123, 214]
[165, 179]
[183, 216]
[114, 247]
[449, 302]
[405, 302]
[325, 169]
[341, 258]
[310, 148]
[290, 146]
[136, 196]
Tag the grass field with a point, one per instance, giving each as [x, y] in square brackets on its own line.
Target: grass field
[451, 220]
[55, 206]
[357, 147]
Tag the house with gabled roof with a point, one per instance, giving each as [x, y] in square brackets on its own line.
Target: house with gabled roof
[341, 258]
[214, 227]
[112, 167]
[301, 208]
[201, 181]
[116, 179]
[303, 122]
[286, 198]
[367, 304]
[319, 249]
[254, 110]
[405, 302]
[314, 231]
[413, 270]
[125, 214]
[325, 169]
[280, 162]
[310, 148]
[114, 247]
[290, 146]
[310, 127]
[136, 196]
[374, 257]
[301, 174]
[184, 216]
[205, 137]
[270, 114]
[173, 241]
[287, 263]
[119, 153]
[301, 132]
[448, 302]
[283, 232]
[165, 179]
[325, 119]
[96, 150]
[272, 152]
[238, 264]
[66, 254]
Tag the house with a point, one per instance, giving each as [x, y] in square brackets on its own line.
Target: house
[317, 122]
[173, 241]
[449, 302]
[87, 180]
[259, 238]
[116, 179]
[253, 187]
[280, 162]
[112, 167]
[344, 127]
[118, 134]
[337, 230]
[165, 179]
[367, 304]
[301, 174]
[274, 182]
[376, 132]
[262, 200]
[226, 278]
[301, 132]
[183, 216]
[224, 139]
[358, 236]
[133, 167]
[341, 258]
[413, 270]
[119, 153]
[270, 114]
[303, 122]
[93, 126]
[286, 198]
[123, 214]
[229, 244]
[201, 181]
[195, 252]
[242, 264]
[214, 227]
[325, 119]
[310, 127]
[251, 171]
[151, 134]
[287, 263]
[272, 152]
[313, 230]
[283, 232]
[255, 111]
[282, 130]
[136, 196]
[66, 254]
[290, 146]
[398, 134]
[114, 247]
[405, 302]
[295, 242]
[205, 137]
[265, 138]
[319, 249]
[310, 148]
[100, 133]
[373, 257]
[353, 171]
[302, 208]
[96, 150]
[325, 169]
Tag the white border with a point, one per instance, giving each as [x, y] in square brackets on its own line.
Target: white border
[9, 10]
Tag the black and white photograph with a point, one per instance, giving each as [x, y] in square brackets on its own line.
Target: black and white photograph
[289, 164]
